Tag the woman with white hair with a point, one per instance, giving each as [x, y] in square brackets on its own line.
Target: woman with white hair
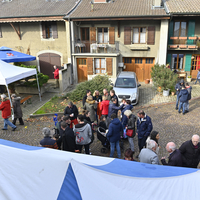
[48, 141]
[130, 127]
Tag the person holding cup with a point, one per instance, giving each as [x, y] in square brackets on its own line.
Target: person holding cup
[72, 111]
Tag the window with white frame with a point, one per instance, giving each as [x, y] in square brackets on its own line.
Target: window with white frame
[102, 34]
[100, 65]
[139, 35]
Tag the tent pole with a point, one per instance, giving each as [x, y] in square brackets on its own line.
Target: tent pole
[10, 99]
[38, 86]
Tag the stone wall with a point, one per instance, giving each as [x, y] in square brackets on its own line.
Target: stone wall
[65, 78]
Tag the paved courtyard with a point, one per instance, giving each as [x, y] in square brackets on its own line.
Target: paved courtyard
[171, 125]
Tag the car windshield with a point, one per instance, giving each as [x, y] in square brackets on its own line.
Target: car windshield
[125, 83]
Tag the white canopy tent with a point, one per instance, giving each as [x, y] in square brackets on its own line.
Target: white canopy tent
[11, 73]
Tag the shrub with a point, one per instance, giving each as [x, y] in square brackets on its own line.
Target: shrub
[41, 77]
[99, 82]
[163, 77]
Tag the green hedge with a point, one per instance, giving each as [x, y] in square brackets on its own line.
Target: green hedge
[99, 82]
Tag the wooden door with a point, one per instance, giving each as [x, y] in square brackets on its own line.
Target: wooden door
[139, 65]
[149, 63]
[82, 69]
[47, 61]
[129, 63]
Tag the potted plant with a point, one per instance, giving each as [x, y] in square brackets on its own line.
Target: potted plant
[189, 78]
[163, 77]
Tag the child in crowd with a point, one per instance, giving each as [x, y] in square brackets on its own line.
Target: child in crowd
[128, 155]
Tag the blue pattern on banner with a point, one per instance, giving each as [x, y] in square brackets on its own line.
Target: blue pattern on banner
[143, 170]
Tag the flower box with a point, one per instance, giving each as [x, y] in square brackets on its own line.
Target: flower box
[173, 46]
[173, 38]
[192, 47]
[182, 38]
[193, 38]
[183, 46]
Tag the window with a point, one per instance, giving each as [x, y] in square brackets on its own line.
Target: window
[177, 61]
[138, 60]
[195, 62]
[49, 30]
[139, 35]
[82, 61]
[125, 83]
[84, 34]
[149, 60]
[180, 29]
[127, 60]
[100, 65]
[102, 35]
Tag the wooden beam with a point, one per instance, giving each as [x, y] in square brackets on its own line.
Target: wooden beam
[31, 19]
[118, 29]
[17, 31]
[124, 19]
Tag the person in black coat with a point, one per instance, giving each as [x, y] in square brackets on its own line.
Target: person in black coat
[113, 95]
[72, 111]
[190, 151]
[68, 138]
[88, 93]
[178, 89]
[131, 126]
[175, 157]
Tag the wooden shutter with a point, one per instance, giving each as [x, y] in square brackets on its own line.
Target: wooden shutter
[151, 35]
[191, 31]
[92, 34]
[171, 32]
[0, 32]
[112, 35]
[109, 66]
[43, 30]
[90, 66]
[54, 30]
[127, 35]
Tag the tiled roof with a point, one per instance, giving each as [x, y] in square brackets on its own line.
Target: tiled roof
[34, 8]
[183, 6]
[118, 8]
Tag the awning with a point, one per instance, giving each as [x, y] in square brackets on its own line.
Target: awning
[8, 55]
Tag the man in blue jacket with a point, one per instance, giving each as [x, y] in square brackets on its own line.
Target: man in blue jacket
[178, 89]
[144, 128]
[113, 135]
[183, 96]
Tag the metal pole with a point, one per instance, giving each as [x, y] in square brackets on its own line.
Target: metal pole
[10, 99]
[38, 86]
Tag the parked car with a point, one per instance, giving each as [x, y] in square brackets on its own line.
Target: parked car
[126, 86]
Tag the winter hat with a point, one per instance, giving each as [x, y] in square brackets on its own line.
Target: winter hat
[3, 96]
[13, 95]
[46, 131]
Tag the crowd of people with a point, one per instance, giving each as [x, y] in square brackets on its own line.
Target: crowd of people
[75, 131]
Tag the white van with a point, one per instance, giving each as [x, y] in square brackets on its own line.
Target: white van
[126, 86]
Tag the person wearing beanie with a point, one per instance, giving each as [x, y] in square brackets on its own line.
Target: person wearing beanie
[17, 109]
[48, 141]
[6, 113]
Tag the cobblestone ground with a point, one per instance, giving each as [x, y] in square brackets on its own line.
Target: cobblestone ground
[171, 125]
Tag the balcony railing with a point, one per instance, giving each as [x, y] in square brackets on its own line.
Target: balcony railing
[184, 43]
[87, 47]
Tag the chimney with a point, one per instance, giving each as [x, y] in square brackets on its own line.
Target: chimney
[157, 3]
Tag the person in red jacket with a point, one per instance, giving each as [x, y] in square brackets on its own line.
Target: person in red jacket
[6, 112]
[56, 76]
[104, 106]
